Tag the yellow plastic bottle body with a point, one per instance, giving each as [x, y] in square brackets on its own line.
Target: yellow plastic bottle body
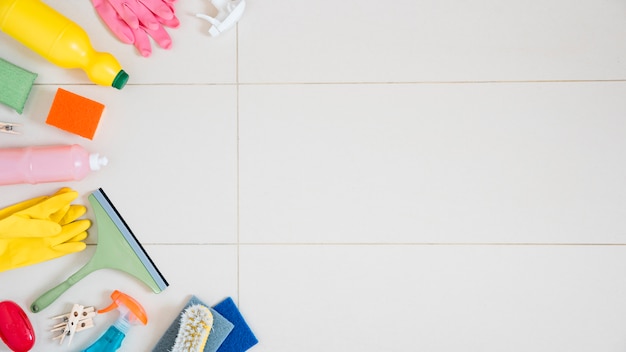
[59, 40]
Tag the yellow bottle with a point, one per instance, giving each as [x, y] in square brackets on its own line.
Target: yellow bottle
[59, 40]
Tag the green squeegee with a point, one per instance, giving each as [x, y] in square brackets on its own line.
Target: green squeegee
[117, 248]
[15, 85]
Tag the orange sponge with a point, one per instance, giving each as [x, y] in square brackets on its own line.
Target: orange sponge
[75, 113]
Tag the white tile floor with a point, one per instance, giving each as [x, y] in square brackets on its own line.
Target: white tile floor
[360, 176]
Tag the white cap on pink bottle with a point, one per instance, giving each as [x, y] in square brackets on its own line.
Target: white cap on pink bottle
[96, 161]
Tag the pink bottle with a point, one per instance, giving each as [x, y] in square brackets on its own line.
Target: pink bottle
[47, 164]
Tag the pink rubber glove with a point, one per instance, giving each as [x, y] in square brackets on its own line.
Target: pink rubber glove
[134, 21]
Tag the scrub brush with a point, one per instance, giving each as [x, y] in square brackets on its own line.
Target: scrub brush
[195, 326]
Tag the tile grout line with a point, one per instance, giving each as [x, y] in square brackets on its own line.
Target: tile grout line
[238, 162]
[348, 83]
[391, 244]
[433, 244]
[436, 82]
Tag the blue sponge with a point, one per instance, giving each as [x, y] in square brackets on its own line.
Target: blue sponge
[221, 328]
[241, 338]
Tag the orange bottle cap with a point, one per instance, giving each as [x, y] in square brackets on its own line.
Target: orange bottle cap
[120, 298]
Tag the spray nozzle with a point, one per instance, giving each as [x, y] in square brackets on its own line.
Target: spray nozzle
[130, 312]
[126, 303]
[229, 13]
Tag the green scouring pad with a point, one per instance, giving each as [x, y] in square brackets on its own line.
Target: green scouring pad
[15, 85]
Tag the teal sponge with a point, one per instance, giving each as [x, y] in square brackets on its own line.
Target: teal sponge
[15, 85]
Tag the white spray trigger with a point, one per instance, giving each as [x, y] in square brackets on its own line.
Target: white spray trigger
[229, 13]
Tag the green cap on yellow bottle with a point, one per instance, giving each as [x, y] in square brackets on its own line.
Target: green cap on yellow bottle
[120, 80]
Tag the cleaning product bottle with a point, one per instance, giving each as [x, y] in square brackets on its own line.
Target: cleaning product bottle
[58, 163]
[131, 313]
[59, 40]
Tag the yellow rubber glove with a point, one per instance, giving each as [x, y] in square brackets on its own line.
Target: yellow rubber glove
[40, 217]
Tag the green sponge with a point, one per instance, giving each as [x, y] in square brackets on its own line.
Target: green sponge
[15, 85]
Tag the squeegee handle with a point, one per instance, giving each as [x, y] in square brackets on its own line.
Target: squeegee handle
[52, 294]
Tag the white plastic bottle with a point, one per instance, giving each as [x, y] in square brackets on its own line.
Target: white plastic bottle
[59, 163]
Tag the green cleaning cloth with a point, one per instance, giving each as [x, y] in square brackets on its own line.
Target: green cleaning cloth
[15, 85]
